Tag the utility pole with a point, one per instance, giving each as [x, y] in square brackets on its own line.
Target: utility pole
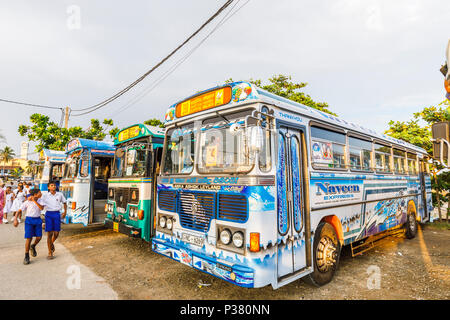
[66, 118]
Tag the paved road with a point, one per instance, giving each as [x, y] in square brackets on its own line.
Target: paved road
[61, 278]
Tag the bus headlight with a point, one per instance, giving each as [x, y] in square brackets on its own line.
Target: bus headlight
[162, 222]
[225, 236]
[238, 239]
[169, 224]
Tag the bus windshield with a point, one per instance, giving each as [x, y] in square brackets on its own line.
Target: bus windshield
[71, 168]
[225, 146]
[131, 161]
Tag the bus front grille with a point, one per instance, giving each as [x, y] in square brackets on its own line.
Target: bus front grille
[232, 207]
[196, 209]
[167, 200]
[124, 196]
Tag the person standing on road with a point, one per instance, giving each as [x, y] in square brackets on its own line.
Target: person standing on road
[33, 222]
[54, 202]
[2, 203]
[19, 198]
[9, 198]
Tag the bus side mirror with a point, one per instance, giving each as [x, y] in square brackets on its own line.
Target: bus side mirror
[441, 141]
[256, 138]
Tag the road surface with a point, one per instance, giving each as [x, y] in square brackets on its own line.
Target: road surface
[61, 278]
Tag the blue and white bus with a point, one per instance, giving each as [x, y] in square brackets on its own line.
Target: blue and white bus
[52, 168]
[257, 189]
[85, 182]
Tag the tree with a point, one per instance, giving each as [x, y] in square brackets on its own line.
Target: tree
[283, 86]
[414, 132]
[31, 168]
[6, 154]
[48, 135]
[17, 173]
[154, 123]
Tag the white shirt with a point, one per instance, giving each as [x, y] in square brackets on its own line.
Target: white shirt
[53, 202]
[31, 209]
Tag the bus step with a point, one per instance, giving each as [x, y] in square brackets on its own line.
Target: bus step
[374, 241]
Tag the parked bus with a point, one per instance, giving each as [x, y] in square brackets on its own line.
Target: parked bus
[52, 168]
[257, 189]
[130, 208]
[85, 182]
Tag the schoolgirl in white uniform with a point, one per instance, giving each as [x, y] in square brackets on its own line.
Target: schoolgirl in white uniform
[20, 197]
[9, 197]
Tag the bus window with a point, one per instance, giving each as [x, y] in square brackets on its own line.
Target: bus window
[179, 154]
[399, 161]
[360, 154]
[57, 172]
[328, 148]
[84, 168]
[72, 168]
[224, 149]
[412, 163]
[382, 158]
[265, 155]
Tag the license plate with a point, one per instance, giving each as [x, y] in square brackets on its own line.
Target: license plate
[115, 226]
[189, 238]
[120, 210]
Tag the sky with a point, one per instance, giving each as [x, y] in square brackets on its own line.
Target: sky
[371, 60]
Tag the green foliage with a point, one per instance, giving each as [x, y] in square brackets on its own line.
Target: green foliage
[283, 86]
[17, 173]
[48, 135]
[420, 135]
[154, 123]
[6, 154]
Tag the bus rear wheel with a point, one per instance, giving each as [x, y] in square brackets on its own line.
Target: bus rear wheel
[327, 250]
[410, 225]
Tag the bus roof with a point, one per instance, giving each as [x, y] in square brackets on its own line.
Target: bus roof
[242, 93]
[54, 155]
[137, 131]
[94, 145]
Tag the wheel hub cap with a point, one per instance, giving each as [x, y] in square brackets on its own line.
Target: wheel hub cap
[326, 254]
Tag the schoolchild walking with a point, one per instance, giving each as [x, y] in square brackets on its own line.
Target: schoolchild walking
[54, 203]
[9, 198]
[33, 222]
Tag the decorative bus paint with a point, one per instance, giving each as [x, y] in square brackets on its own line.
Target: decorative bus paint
[130, 206]
[85, 182]
[52, 167]
[305, 194]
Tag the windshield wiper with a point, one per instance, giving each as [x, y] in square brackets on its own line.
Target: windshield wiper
[223, 117]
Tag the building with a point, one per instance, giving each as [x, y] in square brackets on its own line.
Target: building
[6, 168]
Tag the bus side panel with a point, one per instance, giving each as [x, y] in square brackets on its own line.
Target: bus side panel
[336, 192]
[81, 195]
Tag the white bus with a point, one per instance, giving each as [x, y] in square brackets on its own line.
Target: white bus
[257, 189]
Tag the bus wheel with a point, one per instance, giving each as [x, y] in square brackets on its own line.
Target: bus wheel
[327, 250]
[411, 226]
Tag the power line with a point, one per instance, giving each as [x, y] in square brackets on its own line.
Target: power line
[30, 104]
[120, 93]
[150, 88]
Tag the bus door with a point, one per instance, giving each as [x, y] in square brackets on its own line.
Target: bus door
[423, 192]
[101, 172]
[292, 249]
[154, 173]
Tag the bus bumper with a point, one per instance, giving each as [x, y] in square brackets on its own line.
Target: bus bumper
[123, 228]
[240, 275]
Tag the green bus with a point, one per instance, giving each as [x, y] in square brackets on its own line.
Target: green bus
[130, 208]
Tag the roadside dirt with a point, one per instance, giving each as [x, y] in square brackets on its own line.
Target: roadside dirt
[409, 269]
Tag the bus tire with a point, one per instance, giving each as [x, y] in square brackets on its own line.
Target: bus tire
[326, 253]
[410, 226]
